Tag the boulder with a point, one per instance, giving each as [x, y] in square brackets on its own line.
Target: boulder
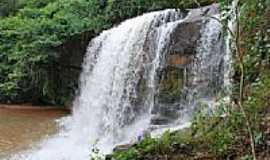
[187, 33]
[167, 110]
[185, 37]
[123, 147]
[161, 120]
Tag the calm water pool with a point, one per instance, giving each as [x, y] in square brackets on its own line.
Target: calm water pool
[21, 128]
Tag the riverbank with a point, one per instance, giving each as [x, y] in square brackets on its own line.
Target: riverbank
[21, 126]
[33, 107]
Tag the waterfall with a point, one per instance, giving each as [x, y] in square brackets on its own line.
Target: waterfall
[207, 72]
[115, 64]
[119, 85]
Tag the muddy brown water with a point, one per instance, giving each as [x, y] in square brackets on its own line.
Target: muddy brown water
[22, 127]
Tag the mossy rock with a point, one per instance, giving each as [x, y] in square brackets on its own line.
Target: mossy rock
[170, 85]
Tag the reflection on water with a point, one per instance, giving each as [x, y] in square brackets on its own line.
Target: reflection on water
[21, 128]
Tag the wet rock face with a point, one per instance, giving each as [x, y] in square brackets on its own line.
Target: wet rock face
[170, 85]
[180, 55]
[67, 68]
[185, 37]
[179, 60]
[173, 76]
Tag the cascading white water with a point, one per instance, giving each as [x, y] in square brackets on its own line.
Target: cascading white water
[108, 87]
[208, 71]
[110, 108]
[103, 111]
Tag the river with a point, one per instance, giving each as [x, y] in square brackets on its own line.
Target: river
[23, 126]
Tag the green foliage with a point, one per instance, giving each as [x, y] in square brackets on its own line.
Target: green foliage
[131, 154]
[149, 147]
[224, 130]
[255, 36]
[10, 7]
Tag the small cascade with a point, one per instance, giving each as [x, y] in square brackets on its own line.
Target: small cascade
[146, 74]
[206, 73]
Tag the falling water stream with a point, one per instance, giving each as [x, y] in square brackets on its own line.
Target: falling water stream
[110, 108]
